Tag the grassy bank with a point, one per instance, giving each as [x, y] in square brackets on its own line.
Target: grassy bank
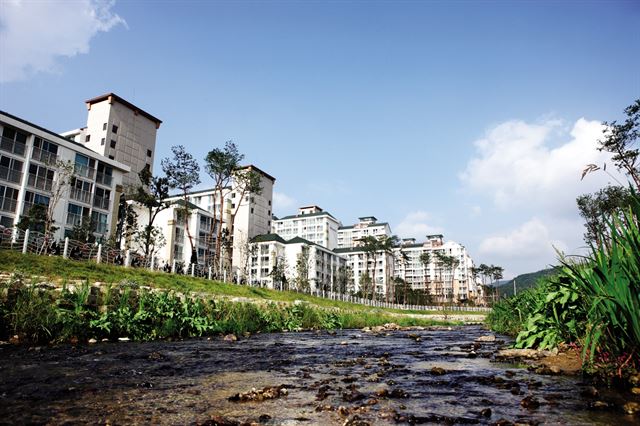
[56, 268]
[42, 315]
[593, 303]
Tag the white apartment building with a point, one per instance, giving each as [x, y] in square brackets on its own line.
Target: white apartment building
[253, 215]
[121, 131]
[29, 172]
[442, 283]
[312, 224]
[299, 261]
[350, 236]
[378, 268]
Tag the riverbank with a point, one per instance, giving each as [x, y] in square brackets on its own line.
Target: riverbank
[381, 376]
[36, 310]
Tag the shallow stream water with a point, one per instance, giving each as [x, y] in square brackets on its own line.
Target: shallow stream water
[435, 376]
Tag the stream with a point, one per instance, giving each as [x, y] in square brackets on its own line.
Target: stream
[431, 376]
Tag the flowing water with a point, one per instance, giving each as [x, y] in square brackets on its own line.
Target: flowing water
[434, 376]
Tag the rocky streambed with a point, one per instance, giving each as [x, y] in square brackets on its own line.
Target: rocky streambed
[352, 377]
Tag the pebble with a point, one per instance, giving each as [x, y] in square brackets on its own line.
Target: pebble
[230, 338]
[486, 412]
[635, 391]
[631, 407]
[530, 402]
[92, 341]
[438, 371]
[487, 338]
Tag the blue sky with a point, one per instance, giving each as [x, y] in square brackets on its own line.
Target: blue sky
[473, 119]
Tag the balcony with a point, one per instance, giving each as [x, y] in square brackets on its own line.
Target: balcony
[74, 219]
[101, 202]
[103, 179]
[10, 175]
[80, 195]
[8, 204]
[12, 146]
[84, 171]
[39, 182]
[27, 206]
[44, 156]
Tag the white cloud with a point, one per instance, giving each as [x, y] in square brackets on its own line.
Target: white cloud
[516, 164]
[282, 203]
[415, 225]
[34, 34]
[531, 239]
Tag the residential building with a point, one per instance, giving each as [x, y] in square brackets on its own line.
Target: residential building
[350, 236]
[295, 264]
[121, 131]
[312, 224]
[251, 213]
[377, 268]
[31, 159]
[442, 283]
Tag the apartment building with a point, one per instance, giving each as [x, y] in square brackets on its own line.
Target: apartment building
[378, 268]
[253, 215]
[295, 264]
[443, 283]
[367, 226]
[312, 224]
[30, 173]
[121, 131]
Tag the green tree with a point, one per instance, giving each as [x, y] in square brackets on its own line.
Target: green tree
[183, 173]
[220, 164]
[425, 259]
[596, 209]
[151, 194]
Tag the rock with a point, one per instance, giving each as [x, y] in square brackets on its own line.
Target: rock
[488, 338]
[599, 405]
[264, 418]
[472, 354]
[352, 396]
[344, 342]
[269, 392]
[555, 369]
[123, 339]
[230, 338]
[590, 392]
[356, 421]
[92, 341]
[438, 371]
[398, 393]
[635, 391]
[631, 407]
[530, 403]
[382, 392]
[518, 353]
[634, 380]
[343, 411]
[221, 421]
[486, 412]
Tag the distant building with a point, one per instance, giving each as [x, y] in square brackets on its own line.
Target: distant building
[378, 268]
[293, 264]
[441, 283]
[350, 236]
[29, 155]
[312, 224]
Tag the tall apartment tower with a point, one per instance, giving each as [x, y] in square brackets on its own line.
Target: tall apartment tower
[120, 131]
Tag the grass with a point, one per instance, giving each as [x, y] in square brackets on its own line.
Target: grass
[56, 268]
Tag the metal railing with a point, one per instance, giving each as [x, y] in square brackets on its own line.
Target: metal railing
[10, 175]
[103, 179]
[80, 195]
[8, 204]
[12, 146]
[39, 182]
[38, 243]
[44, 156]
[101, 202]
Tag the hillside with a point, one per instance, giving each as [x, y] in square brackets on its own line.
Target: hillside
[523, 281]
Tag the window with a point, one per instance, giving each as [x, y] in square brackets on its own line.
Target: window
[6, 221]
[8, 199]
[40, 177]
[251, 209]
[99, 222]
[32, 198]
[269, 202]
[87, 138]
[104, 126]
[113, 143]
[233, 195]
[102, 141]
[10, 169]
[13, 141]
[114, 128]
[149, 153]
[112, 157]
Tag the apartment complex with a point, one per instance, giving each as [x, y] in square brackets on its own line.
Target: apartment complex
[121, 131]
[376, 268]
[251, 214]
[455, 283]
[312, 224]
[367, 226]
[295, 264]
[32, 161]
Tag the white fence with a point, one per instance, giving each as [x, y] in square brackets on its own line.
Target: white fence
[38, 243]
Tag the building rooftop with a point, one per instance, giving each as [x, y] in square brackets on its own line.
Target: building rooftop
[262, 172]
[370, 225]
[111, 97]
[264, 238]
[298, 216]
